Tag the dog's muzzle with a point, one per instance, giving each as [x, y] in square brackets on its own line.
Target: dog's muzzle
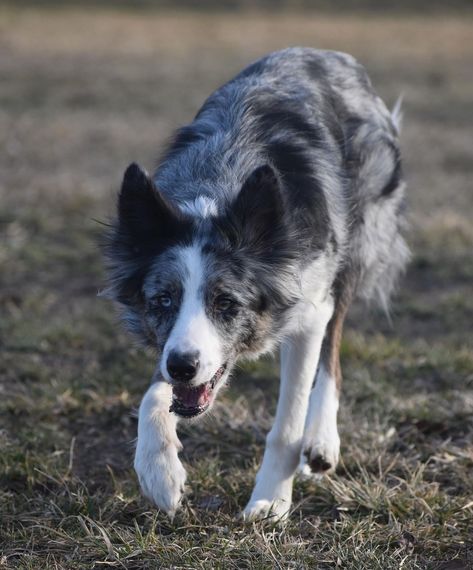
[191, 401]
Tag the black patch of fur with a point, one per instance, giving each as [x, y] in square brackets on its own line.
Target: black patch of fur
[316, 70]
[396, 176]
[318, 464]
[291, 139]
[255, 220]
[309, 208]
[146, 225]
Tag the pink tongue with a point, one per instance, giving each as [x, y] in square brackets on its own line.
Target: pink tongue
[193, 397]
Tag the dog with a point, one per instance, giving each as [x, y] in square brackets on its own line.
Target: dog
[268, 214]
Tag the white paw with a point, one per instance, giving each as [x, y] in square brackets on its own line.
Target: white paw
[263, 509]
[320, 457]
[162, 477]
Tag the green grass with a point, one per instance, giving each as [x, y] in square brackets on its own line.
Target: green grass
[77, 106]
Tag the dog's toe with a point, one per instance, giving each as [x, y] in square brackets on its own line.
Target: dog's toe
[319, 459]
[265, 510]
[318, 463]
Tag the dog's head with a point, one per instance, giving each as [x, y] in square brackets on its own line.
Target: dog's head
[202, 290]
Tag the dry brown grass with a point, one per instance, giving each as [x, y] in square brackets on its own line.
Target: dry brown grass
[84, 93]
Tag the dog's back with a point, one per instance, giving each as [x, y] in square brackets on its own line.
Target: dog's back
[315, 117]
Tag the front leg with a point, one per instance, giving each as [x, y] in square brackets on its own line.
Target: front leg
[272, 495]
[157, 465]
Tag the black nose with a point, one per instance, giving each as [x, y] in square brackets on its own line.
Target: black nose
[182, 367]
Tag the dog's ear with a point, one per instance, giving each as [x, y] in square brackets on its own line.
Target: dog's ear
[146, 223]
[260, 197]
[255, 218]
[144, 215]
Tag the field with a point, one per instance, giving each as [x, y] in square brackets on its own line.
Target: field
[84, 93]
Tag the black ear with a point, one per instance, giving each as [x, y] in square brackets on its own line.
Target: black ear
[147, 222]
[256, 215]
[144, 215]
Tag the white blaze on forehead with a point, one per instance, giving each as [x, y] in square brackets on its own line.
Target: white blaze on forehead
[201, 207]
[193, 331]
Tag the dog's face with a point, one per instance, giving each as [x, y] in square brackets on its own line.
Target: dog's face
[202, 291]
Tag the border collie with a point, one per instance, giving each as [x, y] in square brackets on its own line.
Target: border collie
[277, 205]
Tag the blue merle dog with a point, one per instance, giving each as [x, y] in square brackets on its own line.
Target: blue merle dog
[277, 205]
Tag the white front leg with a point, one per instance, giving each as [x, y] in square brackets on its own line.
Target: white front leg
[272, 495]
[157, 465]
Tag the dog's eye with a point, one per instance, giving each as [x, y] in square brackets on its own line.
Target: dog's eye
[223, 303]
[163, 301]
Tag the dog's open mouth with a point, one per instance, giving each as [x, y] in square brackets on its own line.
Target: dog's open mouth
[191, 401]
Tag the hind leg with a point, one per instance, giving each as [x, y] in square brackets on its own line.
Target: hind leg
[321, 442]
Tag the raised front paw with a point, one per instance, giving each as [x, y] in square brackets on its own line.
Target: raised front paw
[320, 457]
[162, 477]
[276, 510]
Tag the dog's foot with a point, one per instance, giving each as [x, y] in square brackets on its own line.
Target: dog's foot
[162, 478]
[320, 458]
[263, 509]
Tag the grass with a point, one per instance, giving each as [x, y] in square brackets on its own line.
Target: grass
[83, 94]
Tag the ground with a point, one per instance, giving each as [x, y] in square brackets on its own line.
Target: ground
[84, 93]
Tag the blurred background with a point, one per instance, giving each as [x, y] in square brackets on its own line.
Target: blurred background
[86, 88]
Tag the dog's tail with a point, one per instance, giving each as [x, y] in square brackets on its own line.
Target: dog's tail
[396, 113]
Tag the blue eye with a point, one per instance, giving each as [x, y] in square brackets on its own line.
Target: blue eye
[164, 301]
